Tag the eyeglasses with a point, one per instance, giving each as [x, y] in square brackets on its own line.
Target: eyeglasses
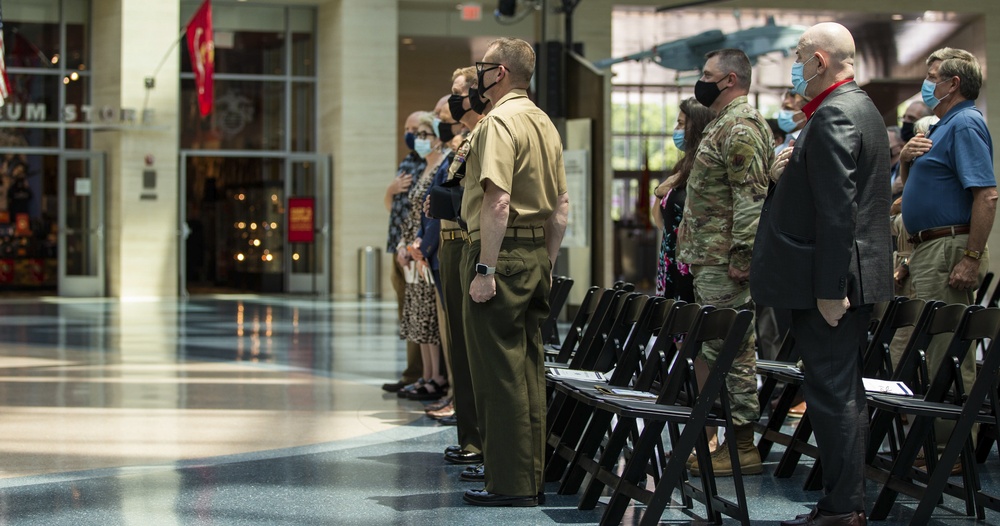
[481, 66]
[423, 135]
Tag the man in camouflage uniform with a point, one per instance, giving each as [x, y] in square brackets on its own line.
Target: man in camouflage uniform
[725, 192]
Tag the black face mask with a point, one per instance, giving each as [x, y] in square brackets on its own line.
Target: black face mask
[445, 132]
[482, 73]
[410, 140]
[477, 103]
[707, 92]
[456, 107]
[906, 131]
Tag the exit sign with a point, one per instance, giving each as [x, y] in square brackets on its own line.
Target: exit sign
[472, 12]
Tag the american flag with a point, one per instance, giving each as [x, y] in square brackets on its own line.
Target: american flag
[4, 82]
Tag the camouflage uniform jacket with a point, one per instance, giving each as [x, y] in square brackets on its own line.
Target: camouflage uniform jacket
[726, 189]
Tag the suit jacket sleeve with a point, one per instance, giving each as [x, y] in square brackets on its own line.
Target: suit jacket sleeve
[833, 170]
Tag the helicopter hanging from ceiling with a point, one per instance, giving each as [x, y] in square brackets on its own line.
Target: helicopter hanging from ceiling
[688, 54]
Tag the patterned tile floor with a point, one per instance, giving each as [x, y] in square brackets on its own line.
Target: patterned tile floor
[250, 410]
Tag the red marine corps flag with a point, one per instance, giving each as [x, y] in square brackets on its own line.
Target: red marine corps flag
[201, 45]
[4, 82]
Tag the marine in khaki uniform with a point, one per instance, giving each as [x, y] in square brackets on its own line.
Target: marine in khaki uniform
[516, 205]
[725, 192]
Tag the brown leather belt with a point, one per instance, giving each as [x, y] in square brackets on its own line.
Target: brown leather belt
[936, 233]
[533, 233]
[452, 234]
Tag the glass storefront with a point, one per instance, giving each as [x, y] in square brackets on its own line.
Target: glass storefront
[47, 44]
[237, 172]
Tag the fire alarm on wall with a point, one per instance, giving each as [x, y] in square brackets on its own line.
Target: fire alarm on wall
[149, 159]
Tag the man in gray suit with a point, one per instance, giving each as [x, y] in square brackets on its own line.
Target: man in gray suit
[823, 251]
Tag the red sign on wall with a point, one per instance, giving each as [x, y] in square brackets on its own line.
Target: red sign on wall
[301, 224]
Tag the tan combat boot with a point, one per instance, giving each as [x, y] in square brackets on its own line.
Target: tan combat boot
[750, 463]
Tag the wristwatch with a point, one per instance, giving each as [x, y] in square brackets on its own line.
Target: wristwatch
[485, 269]
[974, 254]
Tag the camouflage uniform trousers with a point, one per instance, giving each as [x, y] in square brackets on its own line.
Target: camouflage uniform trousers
[712, 286]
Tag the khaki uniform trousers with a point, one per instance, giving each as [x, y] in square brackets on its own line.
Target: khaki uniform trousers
[712, 286]
[452, 293]
[504, 342]
[930, 267]
[414, 363]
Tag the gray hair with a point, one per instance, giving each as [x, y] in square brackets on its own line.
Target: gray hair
[962, 64]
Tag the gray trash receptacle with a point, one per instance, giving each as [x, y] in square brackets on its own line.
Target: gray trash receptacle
[369, 272]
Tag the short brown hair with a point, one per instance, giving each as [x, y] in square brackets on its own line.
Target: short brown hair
[962, 64]
[517, 56]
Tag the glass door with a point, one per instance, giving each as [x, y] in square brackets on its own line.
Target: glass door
[81, 225]
[307, 224]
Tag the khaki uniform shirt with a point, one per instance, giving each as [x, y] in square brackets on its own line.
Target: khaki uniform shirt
[726, 189]
[518, 149]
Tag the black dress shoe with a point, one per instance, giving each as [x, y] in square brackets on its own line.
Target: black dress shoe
[393, 387]
[448, 420]
[485, 498]
[453, 449]
[473, 474]
[464, 457]
[815, 518]
[430, 390]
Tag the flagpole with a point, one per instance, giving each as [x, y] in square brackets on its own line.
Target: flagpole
[151, 80]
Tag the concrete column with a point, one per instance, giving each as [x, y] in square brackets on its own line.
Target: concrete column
[130, 37]
[357, 71]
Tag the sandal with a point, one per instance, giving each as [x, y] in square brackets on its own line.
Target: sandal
[440, 404]
[402, 393]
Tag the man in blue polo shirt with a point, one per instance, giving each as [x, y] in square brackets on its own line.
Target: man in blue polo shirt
[949, 193]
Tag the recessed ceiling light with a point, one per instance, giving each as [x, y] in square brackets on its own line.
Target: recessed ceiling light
[407, 41]
[897, 16]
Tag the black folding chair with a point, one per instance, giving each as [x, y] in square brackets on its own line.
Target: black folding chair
[945, 398]
[581, 357]
[591, 426]
[626, 346]
[558, 295]
[563, 351]
[681, 402]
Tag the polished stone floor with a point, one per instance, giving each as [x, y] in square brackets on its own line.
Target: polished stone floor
[247, 410]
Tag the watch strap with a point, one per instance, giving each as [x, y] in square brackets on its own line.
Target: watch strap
[974, 254]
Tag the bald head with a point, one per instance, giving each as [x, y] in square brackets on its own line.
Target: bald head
[827, 52]
[412, 121]
[441, 109]
[830, 39]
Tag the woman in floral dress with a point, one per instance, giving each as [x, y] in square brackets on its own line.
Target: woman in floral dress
[419, 323]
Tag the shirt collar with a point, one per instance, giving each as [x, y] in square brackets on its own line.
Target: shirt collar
[813, 105]
[512, 94]
[961, 106]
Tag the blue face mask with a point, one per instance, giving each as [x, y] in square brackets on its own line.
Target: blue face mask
[422, 147]
[927, 93]
[408, 138]
[679, 139]
[786, 121]
[799, 82]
